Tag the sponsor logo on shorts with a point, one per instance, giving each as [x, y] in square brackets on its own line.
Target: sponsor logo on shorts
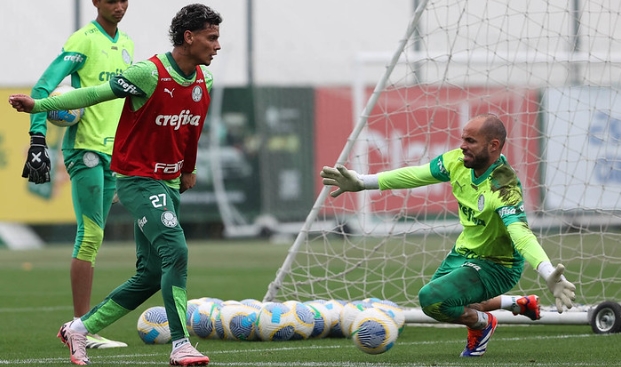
[472, 265]
[90, 159]
[169, 219]
[141, 222]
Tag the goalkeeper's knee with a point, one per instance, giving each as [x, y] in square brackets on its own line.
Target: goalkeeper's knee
[435, 307]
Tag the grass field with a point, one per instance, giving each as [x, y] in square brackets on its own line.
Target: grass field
[36, 300]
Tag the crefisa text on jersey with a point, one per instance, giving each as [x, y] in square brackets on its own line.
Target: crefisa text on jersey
[183, 118]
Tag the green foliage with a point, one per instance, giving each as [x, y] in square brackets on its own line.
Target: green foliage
[36, 300]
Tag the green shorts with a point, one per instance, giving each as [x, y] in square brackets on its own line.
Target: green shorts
[460, 281]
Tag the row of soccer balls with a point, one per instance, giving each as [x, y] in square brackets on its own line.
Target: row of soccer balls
[372, 324]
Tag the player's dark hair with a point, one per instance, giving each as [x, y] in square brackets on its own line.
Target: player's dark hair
[192, 18]
[493, 128]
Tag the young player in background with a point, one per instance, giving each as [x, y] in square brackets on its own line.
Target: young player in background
[91, 56]
[488, 257]
[155, 149]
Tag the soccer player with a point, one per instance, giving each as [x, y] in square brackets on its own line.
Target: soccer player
[91, 56]
[154, 156]
[488, 257]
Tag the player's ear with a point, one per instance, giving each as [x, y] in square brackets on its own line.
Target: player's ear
[188, 37]
[494, 145]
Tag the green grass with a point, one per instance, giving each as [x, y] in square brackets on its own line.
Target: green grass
[36, 300]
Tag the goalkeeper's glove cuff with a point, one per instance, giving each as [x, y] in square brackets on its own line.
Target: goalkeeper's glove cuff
[546, 268]
[37, 139]
[370, 182]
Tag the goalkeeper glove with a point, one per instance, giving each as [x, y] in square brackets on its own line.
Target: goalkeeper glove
[37, 167]
[563, 290]
[345, 179]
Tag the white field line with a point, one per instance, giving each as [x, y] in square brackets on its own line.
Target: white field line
[34, 309]
[129, 359]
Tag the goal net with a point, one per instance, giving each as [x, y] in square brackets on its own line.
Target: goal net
[551, 73]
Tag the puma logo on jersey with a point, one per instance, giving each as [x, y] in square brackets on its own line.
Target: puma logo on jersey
[169, 91]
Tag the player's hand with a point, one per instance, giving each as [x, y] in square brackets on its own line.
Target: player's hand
[37, 167]
[21, 102]
[345, 179]
[563, 290]
[188, 180]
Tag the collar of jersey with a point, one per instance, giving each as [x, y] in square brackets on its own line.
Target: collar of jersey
[478, 180]
[116, 35]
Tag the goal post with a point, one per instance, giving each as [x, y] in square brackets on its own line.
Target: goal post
[552, 74]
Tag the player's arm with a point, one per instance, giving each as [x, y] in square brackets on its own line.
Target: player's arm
[120, 86]
[65, 64]
[37, 166]
[77, 98]
[529, 247]
[400, 178]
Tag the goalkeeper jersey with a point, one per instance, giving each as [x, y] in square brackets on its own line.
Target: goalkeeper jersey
[491, 208]
[90, 57]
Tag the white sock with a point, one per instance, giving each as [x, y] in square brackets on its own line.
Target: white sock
[481, 322]
[179, 343]
[509, 303]
[78, 325]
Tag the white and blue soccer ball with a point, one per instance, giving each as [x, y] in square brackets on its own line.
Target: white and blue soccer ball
[275, 322]
[190, 307]
[251, 302]
[349, 313]
[303, 320]
[64, 118]
[334, 308]
[393, 310]
[153, 326]
[374, 331]
[323, 319]
[236, 322]
[203, 320]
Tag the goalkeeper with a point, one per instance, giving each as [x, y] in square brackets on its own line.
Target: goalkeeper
[488, 257]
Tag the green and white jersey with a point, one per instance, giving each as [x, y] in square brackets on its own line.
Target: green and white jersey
[91, 57]
[491, 208]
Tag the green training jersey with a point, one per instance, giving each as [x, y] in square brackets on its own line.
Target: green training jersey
[90, 57]
[488, 206]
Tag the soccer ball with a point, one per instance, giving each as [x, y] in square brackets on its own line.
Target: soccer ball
[303, 318]
[334, 308]
[349, 313]
[393, 310]
[203, 320]
[275, 322]
[236, 322]
[251, 302]
[374, 331]
[323, 319]
[192, 305]
[153, 326]
[64, 118]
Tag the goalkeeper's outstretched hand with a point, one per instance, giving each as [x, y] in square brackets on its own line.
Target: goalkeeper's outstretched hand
[564, 292]
[345, 179]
